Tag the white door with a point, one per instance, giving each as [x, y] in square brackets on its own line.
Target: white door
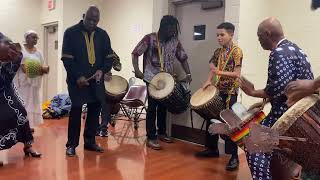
[51, 59]
[199, 51]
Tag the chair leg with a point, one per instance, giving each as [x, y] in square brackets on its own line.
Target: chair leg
[202, 125]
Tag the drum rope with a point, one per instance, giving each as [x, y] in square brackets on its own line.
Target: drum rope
[160, 55]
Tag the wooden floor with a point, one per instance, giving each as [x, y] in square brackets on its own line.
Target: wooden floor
[126, 158]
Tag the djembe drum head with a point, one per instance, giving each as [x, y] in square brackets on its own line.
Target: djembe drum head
[203, 96]
[116, 86]
[164, 83]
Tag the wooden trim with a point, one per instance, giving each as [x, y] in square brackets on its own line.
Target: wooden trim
[188, 134]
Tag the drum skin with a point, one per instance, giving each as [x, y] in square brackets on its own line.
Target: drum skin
[207, 102]
[302, 120]
[171, 94]
[116, 89]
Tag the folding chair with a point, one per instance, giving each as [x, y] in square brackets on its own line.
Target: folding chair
[133, 104]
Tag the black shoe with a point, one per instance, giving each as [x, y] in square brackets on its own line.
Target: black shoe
[102, 133]
[233, 164]
[93, 147]
[165, 138]
[153, 144]
[29, 152]
[71, 151]
[208, 153]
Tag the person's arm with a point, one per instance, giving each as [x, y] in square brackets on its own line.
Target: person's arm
[317, 83]
[182, 57]
[213, 62]
[68, 57]
[108, 54]
[116, 64]
[248, 88]
[235, 74]
[141, 48]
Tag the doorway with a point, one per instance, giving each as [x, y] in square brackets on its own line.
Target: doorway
[50, 53]
[198, 37]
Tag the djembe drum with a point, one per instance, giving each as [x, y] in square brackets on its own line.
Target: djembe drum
[302, 120]
[116, 89]
[173, 95]
[207, 102]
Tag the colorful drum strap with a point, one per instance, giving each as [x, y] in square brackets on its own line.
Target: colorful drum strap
[239, 135]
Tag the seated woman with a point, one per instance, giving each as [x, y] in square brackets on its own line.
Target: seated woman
[14, 125]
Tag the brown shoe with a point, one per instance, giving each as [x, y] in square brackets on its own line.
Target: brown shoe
[165, 138]
[153, 144]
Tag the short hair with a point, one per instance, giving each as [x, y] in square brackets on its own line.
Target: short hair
[227, 26]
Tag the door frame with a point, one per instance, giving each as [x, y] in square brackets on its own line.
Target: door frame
[45, 54]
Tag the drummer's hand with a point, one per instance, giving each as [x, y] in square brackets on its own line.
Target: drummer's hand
[82, 82]
[206, 84]
[246, 86]
[108, 76]
[299, 89]
[45, 69]
[98, 74]
[214, 69]
[138, 74]
[259, 106]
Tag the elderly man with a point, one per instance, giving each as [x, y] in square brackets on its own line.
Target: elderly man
[287, 62]
[85, 54]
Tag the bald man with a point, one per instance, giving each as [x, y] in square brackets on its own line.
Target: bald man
[86, 53]
[287, 62]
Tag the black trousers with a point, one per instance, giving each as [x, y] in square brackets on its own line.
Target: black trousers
[211, 141]
[91, 124]
[105, 116]
[155, 111]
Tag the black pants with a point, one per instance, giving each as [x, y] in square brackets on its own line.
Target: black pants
[74, 126]
[155, 111]
[212, 140]
[105, 116]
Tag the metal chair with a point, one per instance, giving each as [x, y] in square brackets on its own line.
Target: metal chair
[133, 104]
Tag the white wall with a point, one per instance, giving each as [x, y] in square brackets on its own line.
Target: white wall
[127, 22]
[255, 59]
[160, 8]
[301, 25]
[16, 17]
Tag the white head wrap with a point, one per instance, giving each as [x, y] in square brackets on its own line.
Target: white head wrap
[29, 32]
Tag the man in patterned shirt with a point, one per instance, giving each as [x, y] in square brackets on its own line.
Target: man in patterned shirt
[287, 63]
[225, 65]
[166, 42]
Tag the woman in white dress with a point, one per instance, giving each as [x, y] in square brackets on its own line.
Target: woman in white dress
[29, 86]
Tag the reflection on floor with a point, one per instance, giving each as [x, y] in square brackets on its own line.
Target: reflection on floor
[126, 158]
